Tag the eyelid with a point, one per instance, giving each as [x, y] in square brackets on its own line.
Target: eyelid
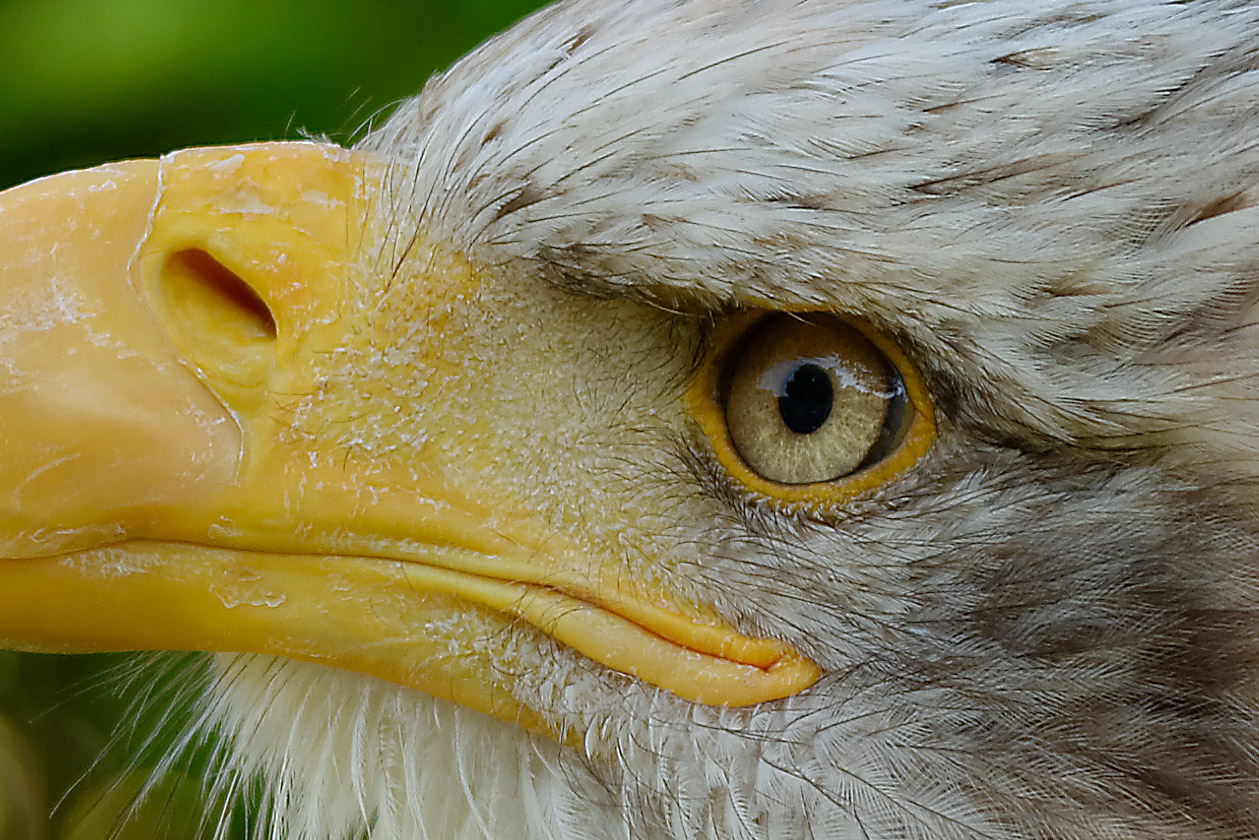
[704, 402]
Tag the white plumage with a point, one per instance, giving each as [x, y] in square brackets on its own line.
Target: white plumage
[1057, 167]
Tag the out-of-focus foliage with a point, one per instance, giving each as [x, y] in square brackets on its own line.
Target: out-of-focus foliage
[93, 80]
[86, 81]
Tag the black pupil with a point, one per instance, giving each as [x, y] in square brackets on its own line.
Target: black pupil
[806, 398]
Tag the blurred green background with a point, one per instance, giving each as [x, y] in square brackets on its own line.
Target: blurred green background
[84, 81]
[87, 81]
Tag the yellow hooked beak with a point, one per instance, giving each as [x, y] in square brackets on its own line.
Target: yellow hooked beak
[159, 327]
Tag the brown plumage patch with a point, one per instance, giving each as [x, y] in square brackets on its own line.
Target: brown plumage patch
[1225, 204]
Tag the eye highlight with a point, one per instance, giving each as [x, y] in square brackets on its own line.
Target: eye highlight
[811, 408]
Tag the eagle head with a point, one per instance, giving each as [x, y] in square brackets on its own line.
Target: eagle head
[683, 419]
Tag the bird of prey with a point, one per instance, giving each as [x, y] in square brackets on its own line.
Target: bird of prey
[685, 419]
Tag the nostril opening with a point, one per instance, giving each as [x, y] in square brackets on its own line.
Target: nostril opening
[211, 297]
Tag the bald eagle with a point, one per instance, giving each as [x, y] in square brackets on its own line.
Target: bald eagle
[684, 419]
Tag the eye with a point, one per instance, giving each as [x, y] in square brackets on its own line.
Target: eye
[812, 408]
[812, 400]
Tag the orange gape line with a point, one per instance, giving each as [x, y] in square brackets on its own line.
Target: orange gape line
[365, 615]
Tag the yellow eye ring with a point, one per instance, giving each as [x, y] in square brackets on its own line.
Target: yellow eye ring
[706, 401]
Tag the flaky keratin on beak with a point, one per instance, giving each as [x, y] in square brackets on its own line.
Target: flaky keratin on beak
[156, 317]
